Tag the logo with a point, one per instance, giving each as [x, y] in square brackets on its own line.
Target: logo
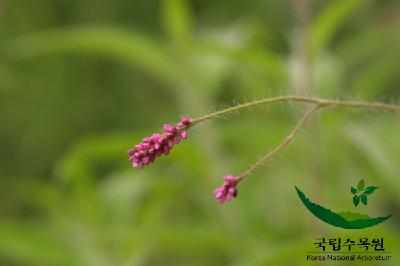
[347, 220]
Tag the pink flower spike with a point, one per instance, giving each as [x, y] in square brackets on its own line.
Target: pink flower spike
[228, 190]
[158, 144]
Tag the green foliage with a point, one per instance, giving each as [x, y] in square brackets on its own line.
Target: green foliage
[177, 20]
[118, 44]
[328, 22]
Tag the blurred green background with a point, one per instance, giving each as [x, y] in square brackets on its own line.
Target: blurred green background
[81, 82]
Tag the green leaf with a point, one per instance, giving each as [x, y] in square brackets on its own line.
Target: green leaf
[373, 78]
[37, 244]
[364, 199]
[361, 185]
[369, 190]
[131, 47]
[352, 216]
[329, 21]
[353, 190]
[356, 200]
[379, 152]
[177, 19]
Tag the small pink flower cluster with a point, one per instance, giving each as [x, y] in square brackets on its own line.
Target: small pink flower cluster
[158, 144]
[228, 190]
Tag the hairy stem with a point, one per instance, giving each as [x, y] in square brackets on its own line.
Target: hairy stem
[293, 98]
[316, 102]
[285, 142]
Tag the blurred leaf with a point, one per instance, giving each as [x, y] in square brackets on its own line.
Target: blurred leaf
[379, 157]
[177, 19]
[93, 155]
[379, 75]
[327, 22]
[328, 75]
[366, 44]
[33, 243]
[7, 78]
[121, 45]
[202, 243]
[353, 190]
[269, 63]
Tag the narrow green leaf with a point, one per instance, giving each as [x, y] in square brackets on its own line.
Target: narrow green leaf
[356, 200]
[361, 185]
[369, 190]
[34, 243]
[353, 190]
[122, 45]
[364, 199]
[329, 21]
[177, 19]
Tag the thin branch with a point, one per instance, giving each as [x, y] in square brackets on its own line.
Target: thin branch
[316, 102]
[294, 98]
[285, 142]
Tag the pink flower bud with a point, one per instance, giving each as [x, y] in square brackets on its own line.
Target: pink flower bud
[228, 190]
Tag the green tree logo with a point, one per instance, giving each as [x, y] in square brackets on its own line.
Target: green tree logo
[361, 193]
[347, 219]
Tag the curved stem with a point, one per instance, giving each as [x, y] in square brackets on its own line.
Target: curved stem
[316, 102]
[294, 98]
[285, 142]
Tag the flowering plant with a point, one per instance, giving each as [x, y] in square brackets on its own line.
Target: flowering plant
[158, 144]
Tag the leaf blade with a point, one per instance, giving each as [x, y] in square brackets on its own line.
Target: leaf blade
[177, 19]
[328, 22]
[369, 190]
[118, 44]
[356, 200]
[364, 199]
[360, 185]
